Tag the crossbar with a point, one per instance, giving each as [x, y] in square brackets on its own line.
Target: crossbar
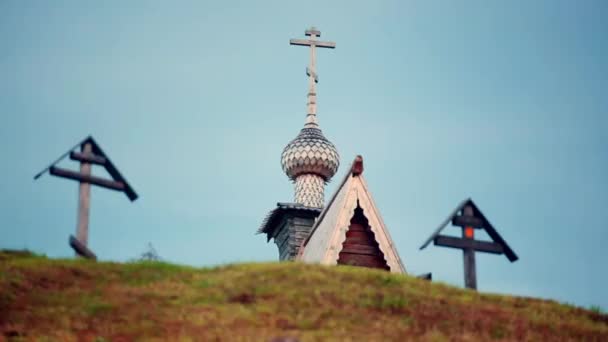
[312, 31]
[88, 158]
[478, 246]
[467, 221]
[104, 183]
[310, 42]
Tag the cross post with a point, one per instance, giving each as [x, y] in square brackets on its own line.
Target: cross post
[311, 71]
[468, 253]
[84, 198]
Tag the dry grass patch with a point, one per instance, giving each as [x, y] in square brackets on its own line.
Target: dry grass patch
[44, 299]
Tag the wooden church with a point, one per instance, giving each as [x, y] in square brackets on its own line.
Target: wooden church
[349, 229]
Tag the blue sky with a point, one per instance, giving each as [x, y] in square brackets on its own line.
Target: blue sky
[504, 102]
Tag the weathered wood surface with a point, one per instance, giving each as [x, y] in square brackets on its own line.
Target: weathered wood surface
[310, 42]
[361, 261]
[470, 273]
[116, 175]
[467, 221]
[465, 243]
[104, 183]
[358, 227]
[468, 254]
[80, 249]
[88, 158]
[357, 237]
[84, 199]
[312, 32]
[290, 234]
[360, 247]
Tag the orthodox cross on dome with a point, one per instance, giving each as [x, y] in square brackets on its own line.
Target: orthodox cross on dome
[311, 71]
[310, 160]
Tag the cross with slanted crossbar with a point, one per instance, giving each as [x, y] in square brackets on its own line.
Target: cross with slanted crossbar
[311, 71]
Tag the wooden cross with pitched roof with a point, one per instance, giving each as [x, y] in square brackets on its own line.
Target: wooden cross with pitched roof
[468, 216]
[311, 70]
[90, 153]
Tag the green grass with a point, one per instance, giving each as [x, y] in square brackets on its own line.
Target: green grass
[71, 300]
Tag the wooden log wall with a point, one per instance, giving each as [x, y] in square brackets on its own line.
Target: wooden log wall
[291, 233]
[360, 247]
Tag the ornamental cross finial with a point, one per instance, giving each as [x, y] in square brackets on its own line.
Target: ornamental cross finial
[311, 71]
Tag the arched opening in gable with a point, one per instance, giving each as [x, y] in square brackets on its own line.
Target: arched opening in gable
[360, 247]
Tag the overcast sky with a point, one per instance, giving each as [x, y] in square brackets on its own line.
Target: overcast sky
[501, 101]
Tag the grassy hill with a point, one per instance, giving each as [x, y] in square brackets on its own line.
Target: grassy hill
[67, 300]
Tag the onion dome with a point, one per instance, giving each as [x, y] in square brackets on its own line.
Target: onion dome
[310, 153]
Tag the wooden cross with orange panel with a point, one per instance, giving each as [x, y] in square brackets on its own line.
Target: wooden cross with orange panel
[468, 216]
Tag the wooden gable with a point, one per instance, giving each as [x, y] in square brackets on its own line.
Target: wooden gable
[360, 247]
[330, 232]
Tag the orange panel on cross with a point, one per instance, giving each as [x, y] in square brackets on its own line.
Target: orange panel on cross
[469, 232]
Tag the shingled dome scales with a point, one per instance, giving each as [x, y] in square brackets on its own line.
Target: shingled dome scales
[310, 160]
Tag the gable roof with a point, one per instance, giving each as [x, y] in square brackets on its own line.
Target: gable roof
[106, 163]
[325, 241]
[487, 226]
